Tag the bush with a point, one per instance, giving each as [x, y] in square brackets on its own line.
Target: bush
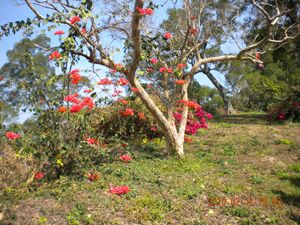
[288, 109]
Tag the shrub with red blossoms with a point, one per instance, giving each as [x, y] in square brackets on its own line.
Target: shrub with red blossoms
[12, 135]
[105, 81]
[122, 81]
[76, 108]
[119, 190]
[125, 158]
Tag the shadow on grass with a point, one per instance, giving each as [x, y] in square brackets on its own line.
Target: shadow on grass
[253, 118]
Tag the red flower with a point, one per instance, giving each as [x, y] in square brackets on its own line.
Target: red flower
[75, 78]
[125, 158]
[91, 141]
[75, 108]
[88, 102]
[141, 116]
[75, 19]
[169, 70]
[59, 32]
[62, 109]
[162, 69]
[146, 11]
[133, 89]
[54, 55]
[180, 82]
[193, 31]
[281, 116]
[119, 190]
[123, 101]
[150, 70]
[87, 91]
[167, 35]
[122, 81]
[39, 175]
[1, 78]
[72, 98]
[127, 112]
[105, 81]
[193, 17]
[190, 104]
[181, 66]
[209, 116]
[93, 176]
[154, 60]
[188, 139]
[154, 128]
[12, 135]
[124, 145]
[257, 55]
[149, 86]
[83, 31]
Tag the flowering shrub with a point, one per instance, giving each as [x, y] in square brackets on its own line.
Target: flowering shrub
[125, 158]
[288, 109]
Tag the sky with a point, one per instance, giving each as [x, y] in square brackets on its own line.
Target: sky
[10, 12]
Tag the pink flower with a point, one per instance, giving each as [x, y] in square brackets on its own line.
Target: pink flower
[59, 32]
[154, 128]
[154, 60]
[125, 158]
[39, 175]
[209, 116]
[119, 190]
[133, 89]
[75, 19]
[12, 135]
[87, 91]
[167, 35]
[162, 69]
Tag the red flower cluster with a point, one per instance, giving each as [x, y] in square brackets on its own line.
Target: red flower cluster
[87, 91]
[54, 55]
[91, 141]
[122, 81]
[146, 11]
[181, 66]
[164, 69]
[123, 101]
[79, 104]
[12, 135]
[105, 81]
[190, 104]
[83, 31]
[127, 112]
[62, 109]
[154, 60]
[133, 89]
[125, 158]
[193, 31]
[59, 32]
[167, 35]
[75, 19]
[119, 190]
[180, 82]
[39, 175]
[75, 76]
[141, 116]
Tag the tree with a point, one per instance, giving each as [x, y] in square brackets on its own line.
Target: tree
[182, 55]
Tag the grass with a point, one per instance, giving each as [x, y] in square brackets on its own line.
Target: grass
[250, 169]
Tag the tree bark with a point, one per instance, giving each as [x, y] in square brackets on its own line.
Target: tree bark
[222, 91]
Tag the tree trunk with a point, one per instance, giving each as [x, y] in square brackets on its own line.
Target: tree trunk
[227, 101]
[174, 141]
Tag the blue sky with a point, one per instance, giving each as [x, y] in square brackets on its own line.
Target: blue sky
[10, 12]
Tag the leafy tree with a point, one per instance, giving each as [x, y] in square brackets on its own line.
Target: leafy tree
[126, 21]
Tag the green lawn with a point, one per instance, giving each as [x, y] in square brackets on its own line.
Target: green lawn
[242, 170]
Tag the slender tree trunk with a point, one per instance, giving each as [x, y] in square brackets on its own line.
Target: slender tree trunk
[227, 101]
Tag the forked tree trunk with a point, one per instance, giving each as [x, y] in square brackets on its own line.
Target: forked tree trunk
[174, 139]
